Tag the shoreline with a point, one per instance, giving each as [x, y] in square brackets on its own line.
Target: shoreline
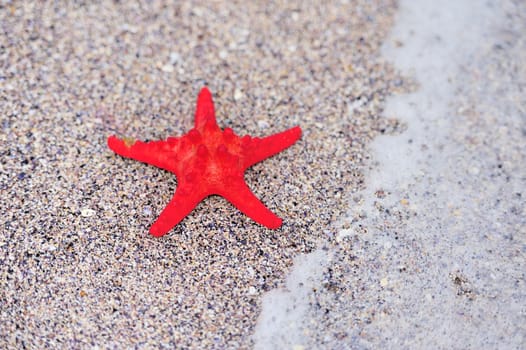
[417, 267]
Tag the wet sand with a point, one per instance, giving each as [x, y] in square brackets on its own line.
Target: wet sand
[432, 253]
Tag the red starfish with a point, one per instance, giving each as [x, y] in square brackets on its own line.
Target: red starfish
[208, 161]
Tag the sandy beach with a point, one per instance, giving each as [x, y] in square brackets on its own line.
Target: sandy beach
[402, 204]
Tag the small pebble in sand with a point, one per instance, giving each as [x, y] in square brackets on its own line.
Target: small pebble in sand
[263, 124]
[87, 212]
[238, 94]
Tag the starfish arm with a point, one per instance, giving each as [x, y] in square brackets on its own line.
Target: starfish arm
[181, 204]
[204, 111]
[260, 149]
[242, 198]
[152, 153]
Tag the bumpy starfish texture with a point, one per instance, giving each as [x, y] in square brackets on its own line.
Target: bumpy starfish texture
[208, 161]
